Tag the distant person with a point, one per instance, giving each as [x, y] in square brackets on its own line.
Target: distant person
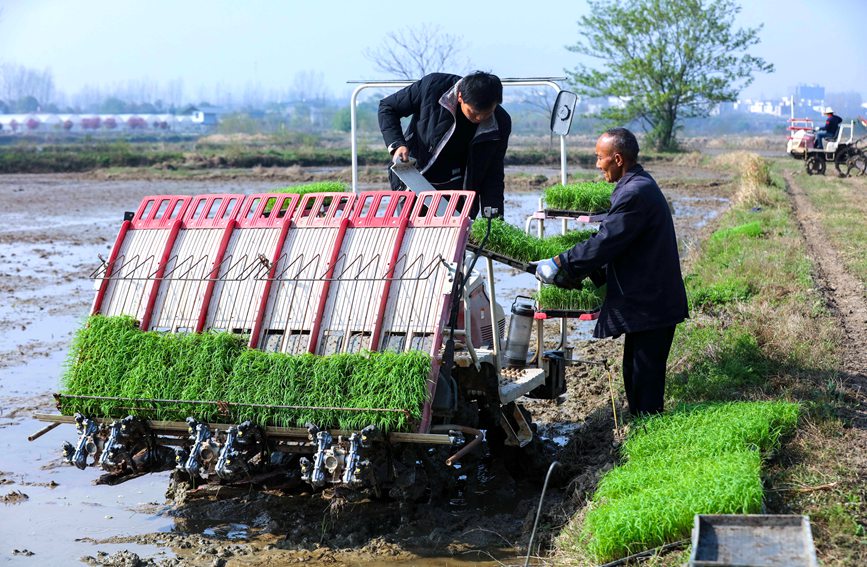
[829, 130]
[458, 133]
[635, 254]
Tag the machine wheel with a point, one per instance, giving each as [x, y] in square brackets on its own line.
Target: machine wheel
[841, 160]
[816, 164]
[856, 164]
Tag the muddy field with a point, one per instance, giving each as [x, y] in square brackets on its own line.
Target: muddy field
[52, 229]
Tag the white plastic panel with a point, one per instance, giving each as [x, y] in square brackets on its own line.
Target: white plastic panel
[297, 288]
[241, 280]
[180, 297]
[132, 274]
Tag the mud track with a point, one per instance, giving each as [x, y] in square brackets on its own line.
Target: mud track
[845, 297]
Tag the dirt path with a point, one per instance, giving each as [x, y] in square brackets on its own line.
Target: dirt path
[845, 296]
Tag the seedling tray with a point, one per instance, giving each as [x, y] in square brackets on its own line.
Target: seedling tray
[582, 315]
[509, 261]
[752, 540]
[580, 216]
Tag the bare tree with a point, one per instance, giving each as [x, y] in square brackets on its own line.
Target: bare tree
[416, 51]
[17, 82]
[307, 86]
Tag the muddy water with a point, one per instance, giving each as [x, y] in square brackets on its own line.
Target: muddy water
[51, 229]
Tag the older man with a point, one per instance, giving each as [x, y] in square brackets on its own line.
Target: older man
[635, 253]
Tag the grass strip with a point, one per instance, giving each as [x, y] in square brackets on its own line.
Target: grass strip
[513, 242]
[585, 196]
[587, 298]
[697, 459]
[111, 357]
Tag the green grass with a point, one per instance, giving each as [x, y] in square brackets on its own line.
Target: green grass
[725, 290]
[587, 298]
[585, 196]
[111, 357]
[698, 459]
[513, 242]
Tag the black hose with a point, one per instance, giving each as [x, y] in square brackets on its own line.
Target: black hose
[539, 512]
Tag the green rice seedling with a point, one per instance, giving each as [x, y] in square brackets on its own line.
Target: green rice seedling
[587, 298]
[101, 354]
[586, 196]
[642, 506]
[710, 429]
[112, 357]
[513, 242]
[373, 383]
[315, 187]
[697, 459]
[750, 230]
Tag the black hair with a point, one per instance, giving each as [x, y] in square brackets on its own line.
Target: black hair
[481, 90]
[624, 143]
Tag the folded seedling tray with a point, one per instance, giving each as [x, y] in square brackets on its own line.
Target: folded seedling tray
[752, 540]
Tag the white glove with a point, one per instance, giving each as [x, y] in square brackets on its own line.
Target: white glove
[546, 270]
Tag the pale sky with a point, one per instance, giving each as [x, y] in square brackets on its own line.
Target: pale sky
[267, 42]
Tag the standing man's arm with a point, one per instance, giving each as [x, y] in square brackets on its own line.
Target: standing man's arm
[392, 108]
[622, 225]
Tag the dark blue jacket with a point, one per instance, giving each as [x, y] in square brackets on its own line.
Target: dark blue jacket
[432, 103]
[637, 247]
[832, 123]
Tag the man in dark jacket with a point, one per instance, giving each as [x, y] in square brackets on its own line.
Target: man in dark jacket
[458, 133]
[832, 124]
[635, 253]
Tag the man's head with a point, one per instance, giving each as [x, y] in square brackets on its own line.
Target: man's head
[479, 94]
[616, 152]
[829, 111]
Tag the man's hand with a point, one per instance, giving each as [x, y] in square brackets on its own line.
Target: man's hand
[546, 270]
[400, 154]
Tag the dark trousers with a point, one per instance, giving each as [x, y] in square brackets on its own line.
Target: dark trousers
[644, 358]
[820, 139]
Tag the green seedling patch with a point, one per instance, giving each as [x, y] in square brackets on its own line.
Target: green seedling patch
[586, 196]
[315, 187]
[587, 298]
[749, 230]
[111, 357]
[513, 242]
[697, 459]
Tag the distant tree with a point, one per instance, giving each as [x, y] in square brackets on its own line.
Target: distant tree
[32, 123]
[308, 86]
[416, 51]
[665, 59]
[109, 123]
[113, 105]
[27, 104]
[18, 82]
[136, 123]
[91, 123]
[366, 115]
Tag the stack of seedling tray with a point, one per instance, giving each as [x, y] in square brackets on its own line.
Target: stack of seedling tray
[512, 246]
[589, 199]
